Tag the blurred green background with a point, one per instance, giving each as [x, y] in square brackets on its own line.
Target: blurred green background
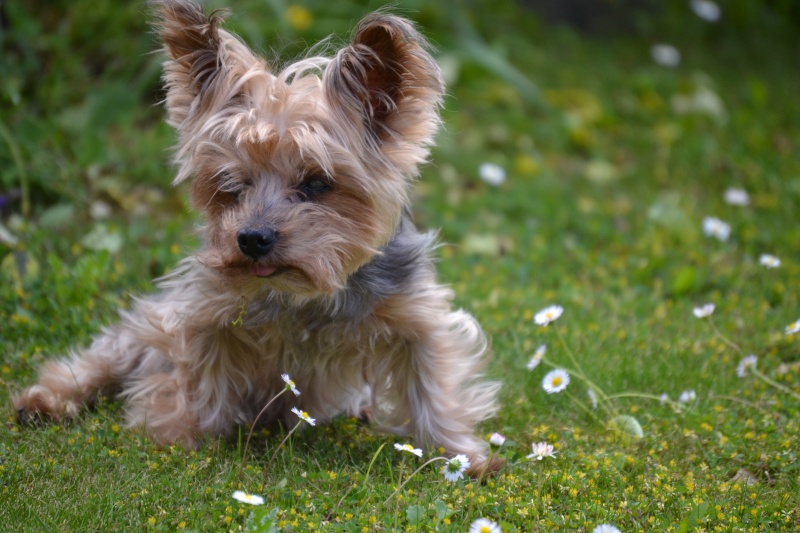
[608, 155]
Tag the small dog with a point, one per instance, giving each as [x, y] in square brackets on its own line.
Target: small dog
[311, 265]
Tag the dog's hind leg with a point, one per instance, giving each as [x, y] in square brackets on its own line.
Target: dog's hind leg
[67, 385]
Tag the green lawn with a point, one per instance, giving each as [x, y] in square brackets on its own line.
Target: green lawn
[612, 163]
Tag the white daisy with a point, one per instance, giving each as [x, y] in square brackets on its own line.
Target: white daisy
[706, 10]
[703, 311]
[793, 328]
[290, 384]
[538, 355]
[252, 499]
[687, 396]
[454, 468]
[482, 525]
[492, 174]
[714, 227]
[738, 197]
[548, 314]
[408, 448]
[555, 381]
[665, 55]
[497, 439]
[541, 450]
[304, 416]
[769, 261]
[606, 528]
[746, 365]
[592, 398]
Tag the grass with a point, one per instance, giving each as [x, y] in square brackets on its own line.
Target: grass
[601, 213]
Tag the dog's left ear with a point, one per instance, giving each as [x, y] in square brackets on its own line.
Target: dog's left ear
[387, 81]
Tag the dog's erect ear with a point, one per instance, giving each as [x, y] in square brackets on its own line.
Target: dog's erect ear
[388, 81]
[206, 63]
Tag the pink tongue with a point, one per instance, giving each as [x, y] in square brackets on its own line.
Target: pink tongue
[262, 271]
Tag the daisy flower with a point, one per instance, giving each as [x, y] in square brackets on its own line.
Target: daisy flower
[606, 528]
[304, 416]
[793, 328]
[706, 10]
[454, 468]
[714, 227]
[555, 381]
[483, 525]
[665, 55]
[408, 448]
[664, 398]
[703, 311]
[492, 174]
[687, 396]
[736, 197]
[548, 314]
[541, 450]
[497, 439]
[769, 261]
[244, 497]
[746, 365]
[538, 355]
[290, 384]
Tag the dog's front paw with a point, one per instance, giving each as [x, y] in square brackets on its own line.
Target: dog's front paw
[481, 467]
[39, 403]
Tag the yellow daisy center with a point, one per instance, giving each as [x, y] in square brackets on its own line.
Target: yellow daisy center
[556, 381]
[486, 529]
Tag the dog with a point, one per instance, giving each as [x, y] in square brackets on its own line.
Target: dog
[310, 265]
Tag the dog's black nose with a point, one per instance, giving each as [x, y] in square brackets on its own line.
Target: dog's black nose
[256, 243]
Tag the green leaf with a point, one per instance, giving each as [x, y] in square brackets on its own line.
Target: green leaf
[627, 426]
[694, 516]
[684, 280]
[262, 521]
[19, 267]
[415, 514]
[442, 511]
[57, 216]
[102, 238]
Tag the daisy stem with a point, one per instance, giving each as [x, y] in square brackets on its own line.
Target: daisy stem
[374, 458]
[638, 395]
[414, 473]
[766, 379]
[275, 453]
[583, 406]
[578, 373]
[724, 339]
[569, 352]
[253, 425]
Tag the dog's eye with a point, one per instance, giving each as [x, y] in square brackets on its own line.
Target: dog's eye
[313, 186]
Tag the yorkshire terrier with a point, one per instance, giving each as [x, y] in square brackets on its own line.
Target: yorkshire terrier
[311, 264]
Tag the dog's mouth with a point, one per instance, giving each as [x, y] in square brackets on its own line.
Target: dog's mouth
[263, 271]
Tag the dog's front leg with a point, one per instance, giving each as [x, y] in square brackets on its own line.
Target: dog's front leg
[438, 372]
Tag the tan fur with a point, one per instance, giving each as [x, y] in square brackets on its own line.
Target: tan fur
[310, 265]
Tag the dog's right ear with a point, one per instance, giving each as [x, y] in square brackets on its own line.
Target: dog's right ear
[206, 64]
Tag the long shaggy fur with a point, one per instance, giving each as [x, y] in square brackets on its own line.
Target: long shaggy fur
[311, 265]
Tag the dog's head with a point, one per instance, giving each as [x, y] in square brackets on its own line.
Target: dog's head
[302, 173]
